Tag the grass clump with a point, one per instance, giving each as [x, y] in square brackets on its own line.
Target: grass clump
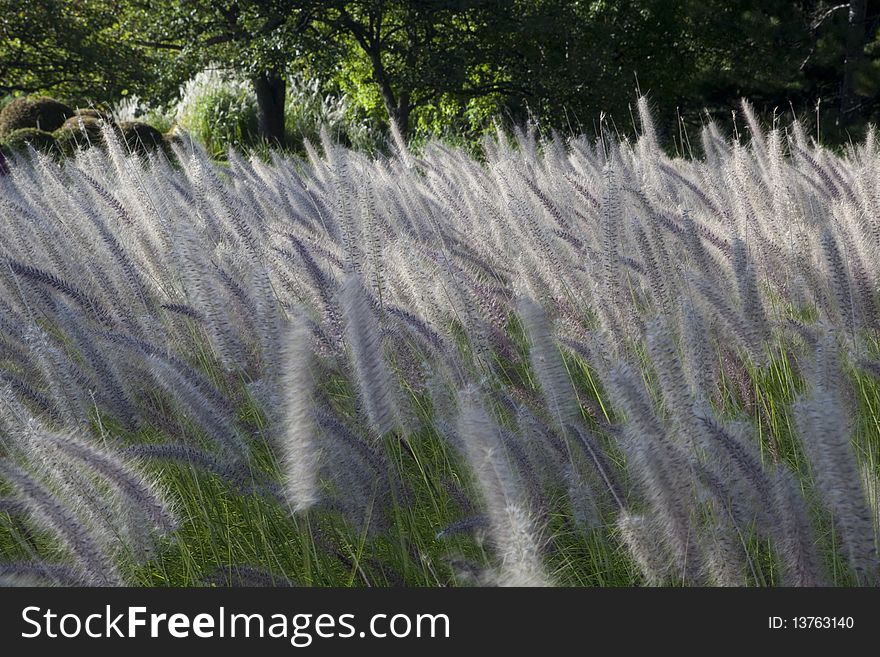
[566, 362]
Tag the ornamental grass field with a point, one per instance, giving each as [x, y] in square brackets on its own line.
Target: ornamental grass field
[566, 361]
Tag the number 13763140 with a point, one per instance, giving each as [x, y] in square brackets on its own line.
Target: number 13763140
[811, 623]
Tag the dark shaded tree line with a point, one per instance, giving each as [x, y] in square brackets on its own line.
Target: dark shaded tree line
[429, 63]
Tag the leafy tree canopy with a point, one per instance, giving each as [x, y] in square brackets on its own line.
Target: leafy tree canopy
[433, 63]
[76, 49]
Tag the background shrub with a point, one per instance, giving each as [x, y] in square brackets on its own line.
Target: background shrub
[94, 113]
[41, 113]
[140, 137]
[80, 131]
[219, 110]
[18, 140]
[133, 108]
[308, 109]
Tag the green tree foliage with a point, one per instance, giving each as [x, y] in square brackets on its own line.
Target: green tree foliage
[74, 49]
[261, 39]
[432, 63]
[565, 63]
[580, 59]
[422, 54]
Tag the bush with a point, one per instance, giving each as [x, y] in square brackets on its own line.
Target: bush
[308, 109]
[85, 131]
[41, 113]
[18, 140]
[140, 137]
[80, 131]
[219, 110]
[93, 113]
[132, 108]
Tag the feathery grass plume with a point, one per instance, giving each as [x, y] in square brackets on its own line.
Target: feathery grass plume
[759, 143]
[584, 505]
[50, 280]
[695, 237]
[401, 148]
[826, 183]
[52, 514]
[547, 452]
[183, 309]
[722, 545]
[268, 318]
[649, 133]
[135, 507]
[823, 428]
[691, 187]
[538, 248]
[96, 504]
[749, 295]
[871, 486]
[731, 448]
[116, 389]
[117, 155]
[653, 270]
[610, 223]
[699, 363]
[472, 524]
[25, 392]
[205, 292]
[794, 537]
[357, 467]
[374, 381]
[520, 552]
[138, 289]
[783, 201]
[514, 534]
[641, 536]
[62, 377]
[120, 211]
[201, 409]
[661, 469]
[133, 488]
[859, 250]
[373, 230]
[529, 476]
[346, 210]
[841, 284]
[553, 210]
[300, 451]
[602, 465]
[12, 506]
[548, 365]
[220, 403]
[38, 573]
[673, 383]
[731, 318]
[525, 137]
[235, 473]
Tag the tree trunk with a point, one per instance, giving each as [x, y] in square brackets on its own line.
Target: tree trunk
[398, 111]
[271, 89]
[402, 114]
[397, 107]
[855, 52]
